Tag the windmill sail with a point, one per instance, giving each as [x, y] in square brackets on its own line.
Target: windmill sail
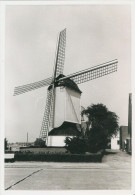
[59, 66]
[47, 115]
[32, 86]
[51, 119]
[93, 73]
[60, 57]
[48, 119]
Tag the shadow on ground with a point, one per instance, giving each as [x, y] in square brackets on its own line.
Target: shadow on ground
[109, 152]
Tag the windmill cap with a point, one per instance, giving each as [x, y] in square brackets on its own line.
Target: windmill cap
[66, 83]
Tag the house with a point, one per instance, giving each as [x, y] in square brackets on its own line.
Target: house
[115, 142]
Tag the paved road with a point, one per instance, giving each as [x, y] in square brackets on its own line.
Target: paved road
[114, 173]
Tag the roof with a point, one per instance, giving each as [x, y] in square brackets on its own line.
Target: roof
[66, 129]
[66, 83]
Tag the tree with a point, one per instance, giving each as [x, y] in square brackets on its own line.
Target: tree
[39, 143]
[102, 125]
[5, 144]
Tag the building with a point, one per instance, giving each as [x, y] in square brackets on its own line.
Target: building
[123, 136]
[115, 142]
[67, 113]
[14, 147]
[126, 131]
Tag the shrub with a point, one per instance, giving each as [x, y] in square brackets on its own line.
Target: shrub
[39, 143]
[75, 145]
[58, 157]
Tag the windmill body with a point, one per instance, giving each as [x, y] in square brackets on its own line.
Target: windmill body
[62, 116]
[66, 111]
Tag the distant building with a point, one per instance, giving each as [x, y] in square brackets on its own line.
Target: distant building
[115, 142]
[16, 146]
[126, 131]
[123, 136]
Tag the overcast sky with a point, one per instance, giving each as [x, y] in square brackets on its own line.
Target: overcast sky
[95, 34]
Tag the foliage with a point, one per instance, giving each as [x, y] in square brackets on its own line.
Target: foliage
[101, 126]
[75, 145]
[39, 143]
[58, 157]
[96, 139]
[5, 144]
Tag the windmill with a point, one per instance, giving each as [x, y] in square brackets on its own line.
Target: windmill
[62, 111]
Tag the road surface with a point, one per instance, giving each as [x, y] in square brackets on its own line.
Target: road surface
[114, 173]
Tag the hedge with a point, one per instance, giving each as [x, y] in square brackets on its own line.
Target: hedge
[59, 157]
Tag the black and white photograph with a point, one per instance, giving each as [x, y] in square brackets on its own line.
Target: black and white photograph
[67, 97]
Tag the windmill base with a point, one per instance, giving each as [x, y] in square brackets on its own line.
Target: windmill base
[57, 141]
[57, 136]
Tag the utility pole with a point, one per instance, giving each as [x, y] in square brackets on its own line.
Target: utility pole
[130, 119]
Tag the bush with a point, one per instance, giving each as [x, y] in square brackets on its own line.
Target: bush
[75, 145]
[58, 157]
[39, 143]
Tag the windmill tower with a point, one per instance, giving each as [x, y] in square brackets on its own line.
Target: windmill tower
[62, 111]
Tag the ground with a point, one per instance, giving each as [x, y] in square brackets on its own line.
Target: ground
[114, 173]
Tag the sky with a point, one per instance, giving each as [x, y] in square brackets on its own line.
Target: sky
[95, 34]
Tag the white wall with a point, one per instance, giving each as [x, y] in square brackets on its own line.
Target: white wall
[59, 115]
[73, 109]
[56, 140]
[67, 106]
[114, 143]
